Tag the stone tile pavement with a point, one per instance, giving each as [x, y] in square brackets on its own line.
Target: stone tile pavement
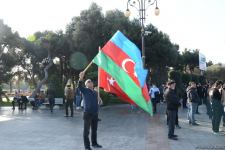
[120, 129]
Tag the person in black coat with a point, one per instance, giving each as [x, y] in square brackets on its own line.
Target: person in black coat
[217, 107]
[172, 106]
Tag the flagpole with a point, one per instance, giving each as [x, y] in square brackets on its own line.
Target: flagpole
[88, 66]
[99, 77]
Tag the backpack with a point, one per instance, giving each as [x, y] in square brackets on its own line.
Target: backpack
[157, 96]
[69, 94]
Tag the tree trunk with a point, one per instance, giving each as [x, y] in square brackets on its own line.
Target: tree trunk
[46, 75]
[0, 97]
[7, 98]
[10, 86]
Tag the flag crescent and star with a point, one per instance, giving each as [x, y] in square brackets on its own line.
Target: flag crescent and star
[121, 71]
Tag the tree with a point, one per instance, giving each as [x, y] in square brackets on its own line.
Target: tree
[9, 47]
[160, 54]
[86, 31]
[191, 60]
[216, 72]
[209, 63]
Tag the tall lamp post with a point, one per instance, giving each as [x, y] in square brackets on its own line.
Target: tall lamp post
[142, 6]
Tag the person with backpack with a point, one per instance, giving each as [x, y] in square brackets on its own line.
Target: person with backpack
[69, 94]
[155, 97]
[193, 101]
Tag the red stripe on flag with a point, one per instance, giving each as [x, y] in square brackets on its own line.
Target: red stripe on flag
[121, 59]
[111, 86]
[124, 61]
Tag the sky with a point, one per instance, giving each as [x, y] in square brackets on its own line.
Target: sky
[193, 24]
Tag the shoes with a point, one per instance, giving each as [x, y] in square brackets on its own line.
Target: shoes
[97, 146]
[218, 133]
[178, 127]
[173, 138]
[195, 124]
[88, 148]
[198, 113]
[175, 135]
[71, 116]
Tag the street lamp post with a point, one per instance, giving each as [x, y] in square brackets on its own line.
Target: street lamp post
[142, 6]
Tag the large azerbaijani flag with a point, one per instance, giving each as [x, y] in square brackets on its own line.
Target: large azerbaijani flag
[109, 84]
[121, 60]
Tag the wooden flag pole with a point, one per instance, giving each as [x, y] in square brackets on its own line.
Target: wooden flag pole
[88, 66]
[99, 78]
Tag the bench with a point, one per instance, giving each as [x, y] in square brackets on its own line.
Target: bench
[58, 101]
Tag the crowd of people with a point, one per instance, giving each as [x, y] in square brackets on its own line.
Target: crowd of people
[211, 95]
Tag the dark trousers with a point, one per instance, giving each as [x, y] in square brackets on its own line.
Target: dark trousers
[223, 115]
[51, 103]
[209, 108]
[20, 104]
[25, 105]
[197, 110]
[69, 103]
[167, 119]
[171, 122]
[176, 123]
[154, 103]
[217, 112]
[184, 102]
[13, 104]
[90, 121]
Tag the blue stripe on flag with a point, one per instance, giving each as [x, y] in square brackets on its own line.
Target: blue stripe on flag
[133, 52]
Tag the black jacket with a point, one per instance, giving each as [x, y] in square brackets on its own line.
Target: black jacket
[192, 95]
[216, 95]
[171, 99]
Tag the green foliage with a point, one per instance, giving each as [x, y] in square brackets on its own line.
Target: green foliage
[159, 49]
[54, 82]
[9, 47]
[109, 99]
[190, 59]
[216, 72]
[186, 78]
[177, 77]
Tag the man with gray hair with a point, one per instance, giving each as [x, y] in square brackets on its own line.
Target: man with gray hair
[90, 116]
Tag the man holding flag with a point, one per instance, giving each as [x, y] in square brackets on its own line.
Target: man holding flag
[121, 72]
[90, 116]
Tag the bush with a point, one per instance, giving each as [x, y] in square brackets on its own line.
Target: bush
[109, 99]
[54, 82]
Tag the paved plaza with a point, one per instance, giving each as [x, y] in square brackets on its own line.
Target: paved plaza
[120, 129]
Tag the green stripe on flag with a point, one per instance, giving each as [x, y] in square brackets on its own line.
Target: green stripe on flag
[123, 80]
